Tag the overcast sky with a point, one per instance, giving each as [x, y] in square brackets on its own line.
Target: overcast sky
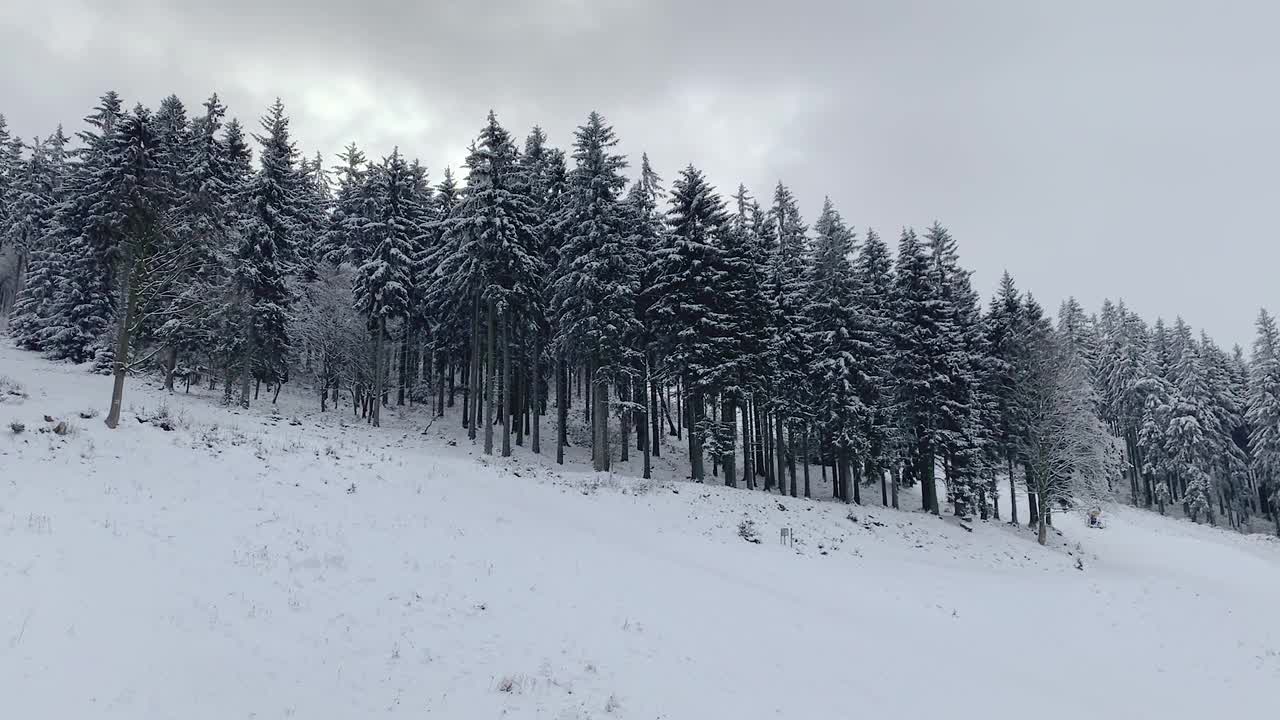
[1096, 149]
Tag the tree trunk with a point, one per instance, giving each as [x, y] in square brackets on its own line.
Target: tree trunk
[692, 405]
[728, 439]
[508, 394]
[780, 453]
[562, 407]
[765, 424]
[1013, 495]
[651, 441]
[246, 354]
[1032, 505]
[491, 381]
[895, 477]
[624, 423]
[375, 414]
[805, 450]
[124, 320]
[791, 464]
[681, 419]
[170, 366]
[600, 422]
[535, 383]
[655, 421]
[748, 470]
[403, 358]
[884, 486]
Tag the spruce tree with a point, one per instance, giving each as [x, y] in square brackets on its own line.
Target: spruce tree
[917, 347]
[838, 335]
[595, 287]
[790, 353]
[1264, 412]
[874, 270]
[689, 271]
[384, 277]
[268, 253]
[38, 193]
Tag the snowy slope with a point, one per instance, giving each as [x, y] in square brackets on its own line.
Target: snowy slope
[242, 566]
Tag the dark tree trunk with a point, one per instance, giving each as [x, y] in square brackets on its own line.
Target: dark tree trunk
[779, 451]
[791, 464]
[562, 407]
[535, 383]
[1013, 494]
[170, 367]
[1033, 507]
[655, 421]
[375, 413]
[508, 394]
[805, 450]
[491, 381]
[884, 486]
[124, 322]
[729, 432]
[895, 477]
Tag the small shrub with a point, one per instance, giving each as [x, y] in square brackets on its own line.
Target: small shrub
[11, 390]
[17, 428]
[747, 531]
[510, 684]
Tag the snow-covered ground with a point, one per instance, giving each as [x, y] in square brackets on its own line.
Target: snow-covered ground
[244, 566]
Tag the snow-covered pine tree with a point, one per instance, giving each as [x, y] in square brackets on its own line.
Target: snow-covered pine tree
[839, 338]
[1264, 413]
[134, 185]
[647, 227]
[206, 223]
[595, 286]
[84, 303]
[383, 279]
[230, 321]
[345, 238]
[957, 367]
[486, 262]
[314, 208]
[1005, 344]
[38, 192]
[1229, 462]
[542, 177]
[1068, 450]
[790, 354]
[741, 291]
[1189, 440]
[15, 259]
[688, 307]
[918, 349]
[874, 269]
[748, 251]
[268, 253]
[448, 326]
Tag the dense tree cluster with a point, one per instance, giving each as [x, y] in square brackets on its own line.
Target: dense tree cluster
[156, 241]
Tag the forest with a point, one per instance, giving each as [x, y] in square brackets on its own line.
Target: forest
[671, 317]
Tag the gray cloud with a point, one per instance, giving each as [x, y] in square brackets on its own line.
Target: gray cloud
[1092, 148]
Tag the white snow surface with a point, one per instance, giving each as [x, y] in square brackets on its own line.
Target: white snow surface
[241, 566]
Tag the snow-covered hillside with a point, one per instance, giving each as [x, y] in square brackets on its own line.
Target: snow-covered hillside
[304, 565]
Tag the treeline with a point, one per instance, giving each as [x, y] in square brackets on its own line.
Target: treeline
[155, 241]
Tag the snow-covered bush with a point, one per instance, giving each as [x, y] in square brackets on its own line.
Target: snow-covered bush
[11, 389]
